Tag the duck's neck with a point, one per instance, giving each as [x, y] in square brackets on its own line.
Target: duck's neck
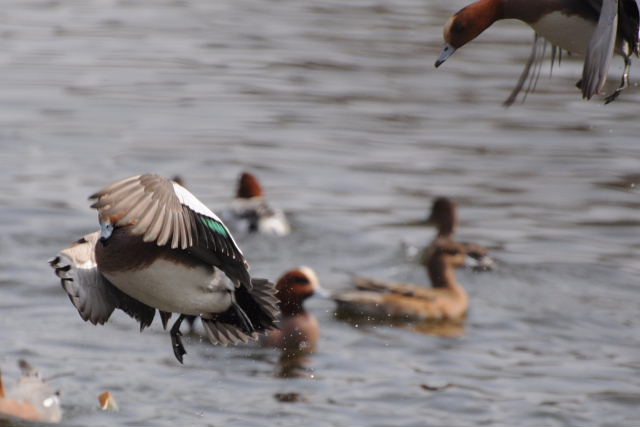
[443, 275]
[291, 308]
[446, 229]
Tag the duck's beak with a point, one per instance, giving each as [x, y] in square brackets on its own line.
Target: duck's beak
[321, 292]
[447, 51]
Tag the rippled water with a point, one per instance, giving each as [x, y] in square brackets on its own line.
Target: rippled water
[337, 107]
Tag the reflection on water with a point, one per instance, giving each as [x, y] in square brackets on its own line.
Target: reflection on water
[441, 328]
[294, 363]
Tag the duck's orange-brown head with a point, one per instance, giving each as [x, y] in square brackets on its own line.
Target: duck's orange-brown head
[294, 287]
[467, 24]
[443, 216]
[248, 187]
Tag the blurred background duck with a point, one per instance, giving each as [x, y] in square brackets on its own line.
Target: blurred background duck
[30, 398]
[445, 300]
[298, 330]
[251, 212]
[444, 217]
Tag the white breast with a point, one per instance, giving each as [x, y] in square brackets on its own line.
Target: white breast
[571, 33]
[176, 288]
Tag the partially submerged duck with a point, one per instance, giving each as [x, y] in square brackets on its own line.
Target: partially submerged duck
[251, 211]
[593, 28]
[30, 398]
[160, 248]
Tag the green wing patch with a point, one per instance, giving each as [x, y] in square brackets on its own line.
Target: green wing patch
[214, 225]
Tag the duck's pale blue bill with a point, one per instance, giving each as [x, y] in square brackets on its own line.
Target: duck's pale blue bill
[447, 51]
[321, 292]
[482, 263]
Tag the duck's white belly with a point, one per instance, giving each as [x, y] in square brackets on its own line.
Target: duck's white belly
[176, 288]
[571, 33]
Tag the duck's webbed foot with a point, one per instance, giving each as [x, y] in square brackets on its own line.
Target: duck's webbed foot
[624, 81]
[176, 341]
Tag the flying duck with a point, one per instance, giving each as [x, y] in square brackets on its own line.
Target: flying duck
[593, 28]
[160, 248]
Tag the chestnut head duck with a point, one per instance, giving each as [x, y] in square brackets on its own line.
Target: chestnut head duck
[444, 217]
[298, 330]
[445, 300]
[593, 28]
[31, 398]
[251, 212]
[160, 248]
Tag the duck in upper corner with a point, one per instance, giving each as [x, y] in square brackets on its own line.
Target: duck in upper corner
[444, 216]
[160, 248]
[593, 28]
[251, 212]
[445, 300]
[31, 398]
[298, 330]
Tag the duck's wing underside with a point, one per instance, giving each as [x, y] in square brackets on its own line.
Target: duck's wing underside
[90, 292]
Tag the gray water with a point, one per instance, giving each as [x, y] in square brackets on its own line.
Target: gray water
[337, 107]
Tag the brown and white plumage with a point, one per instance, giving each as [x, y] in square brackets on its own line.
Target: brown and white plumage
[445, 300]
[160, 248]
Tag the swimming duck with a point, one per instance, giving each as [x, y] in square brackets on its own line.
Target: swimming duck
[593, 28]
[444, 217]
[31, 398]
[251, 212]
[160, 248]
[445, 300]
[297, 329]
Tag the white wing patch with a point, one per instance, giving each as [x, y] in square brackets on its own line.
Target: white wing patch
[189, 200]
[186, 198]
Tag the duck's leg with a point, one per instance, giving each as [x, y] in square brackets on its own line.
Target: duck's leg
[176, 341]
[624, 82]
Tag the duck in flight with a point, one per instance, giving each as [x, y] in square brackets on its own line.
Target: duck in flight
[593, 28]
[160, 248]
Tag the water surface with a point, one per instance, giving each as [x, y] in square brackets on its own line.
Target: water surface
[337, 107]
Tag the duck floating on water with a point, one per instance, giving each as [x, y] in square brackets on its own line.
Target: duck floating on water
[298, 330]
[593, 28]
[160, 248]
[445, 300]
[444, 216]
[251, 211]
[30, 398]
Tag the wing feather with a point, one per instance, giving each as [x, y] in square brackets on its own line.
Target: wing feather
[166, 213]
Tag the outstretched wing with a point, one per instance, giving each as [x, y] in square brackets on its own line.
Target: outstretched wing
[89, 291]
[164, 212]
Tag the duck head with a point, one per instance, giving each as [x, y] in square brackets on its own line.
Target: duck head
[248, 187]
[467, 24]
[294, 287]
[443, 216]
